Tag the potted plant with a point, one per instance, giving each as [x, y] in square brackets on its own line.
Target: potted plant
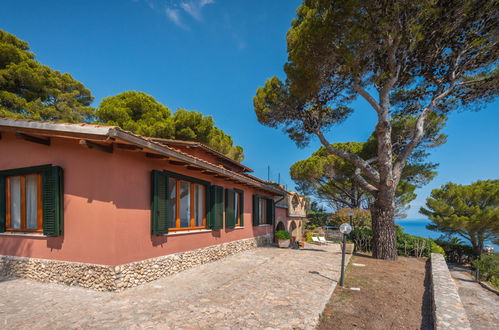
[283, 238]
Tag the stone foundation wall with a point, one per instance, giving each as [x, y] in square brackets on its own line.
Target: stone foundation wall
[448, 310]
[118, 278]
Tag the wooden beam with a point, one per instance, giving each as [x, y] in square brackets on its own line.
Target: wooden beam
[176, 162]
[208, 172]
[220, 176]
[30, 138]
[93, 145]
[129, 147]
[194, 168]
[155, 156]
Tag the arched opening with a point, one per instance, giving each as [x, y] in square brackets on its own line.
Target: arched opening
[280, 226]
[293, 230]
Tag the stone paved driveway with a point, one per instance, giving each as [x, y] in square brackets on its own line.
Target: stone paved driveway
[481, 305]
[260, 288]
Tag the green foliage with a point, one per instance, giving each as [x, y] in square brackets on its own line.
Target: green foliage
[435, 248]
[488, 265]
[140, 113]
[282, 235]
[31, 90]
[309, 235]
[409, 60]
[470, 211]
[455, 250]
[361, 219]
[407, 245]
[317, 216]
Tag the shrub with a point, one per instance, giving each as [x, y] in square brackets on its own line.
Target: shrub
[407, 245]
[361, 218]
[308, 236]
[435, 248]
[488, 265]
[455, 250]
[282, 234]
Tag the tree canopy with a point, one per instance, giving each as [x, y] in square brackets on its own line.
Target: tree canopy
[470, 211]
[31, 90]
[332, 179]
[409, 58]
[140, 113]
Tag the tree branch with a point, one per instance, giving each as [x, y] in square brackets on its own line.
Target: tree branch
[358, 162]
[418, 134]
[363, 182]
[359, 89]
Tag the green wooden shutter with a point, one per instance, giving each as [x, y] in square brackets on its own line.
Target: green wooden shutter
[217, 207]
[2, 204]
[241, 211]
[159, 203]
[230, 215]
[256, 210]
[53, 201]
[270, 211]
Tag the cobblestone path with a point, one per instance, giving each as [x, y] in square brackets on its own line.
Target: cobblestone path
[481, 305]
[257, 289]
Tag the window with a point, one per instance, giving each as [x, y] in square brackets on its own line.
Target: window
[187, 205]
[31, 200]
[263, 210]
[24, 203]
[238, 211]
[234, 205]
[178, 203]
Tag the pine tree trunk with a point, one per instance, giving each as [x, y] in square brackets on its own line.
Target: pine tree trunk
[384, 234]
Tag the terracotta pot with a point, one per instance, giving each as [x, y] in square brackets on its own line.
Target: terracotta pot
[283, 243]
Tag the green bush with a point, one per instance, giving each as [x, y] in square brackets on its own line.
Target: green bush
[407, 245]
[282, 234]
[308, 236]
[455, 250]
[488, 265]
[435, 248]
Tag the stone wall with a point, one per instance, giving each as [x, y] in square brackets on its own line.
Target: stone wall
[118, 278]
[448, 310]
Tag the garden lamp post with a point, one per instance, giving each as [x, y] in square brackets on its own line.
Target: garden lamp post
[345, 229]
[350, 214]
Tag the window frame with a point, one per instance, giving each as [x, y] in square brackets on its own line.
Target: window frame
[52, 200]
[192, 221]
[263, 213]
[23, 208]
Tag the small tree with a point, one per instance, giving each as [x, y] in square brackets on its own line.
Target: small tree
[470, 211]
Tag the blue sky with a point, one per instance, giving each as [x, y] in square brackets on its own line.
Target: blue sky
[211, 56]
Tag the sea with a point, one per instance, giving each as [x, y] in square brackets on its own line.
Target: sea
[418, 228]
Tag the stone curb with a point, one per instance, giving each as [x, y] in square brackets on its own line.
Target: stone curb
[121, 277]
[488, 287]
[448, 310]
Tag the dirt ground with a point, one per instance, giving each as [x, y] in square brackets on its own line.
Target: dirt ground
[393, 295]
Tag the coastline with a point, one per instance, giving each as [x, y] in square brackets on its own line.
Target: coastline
[417, 227]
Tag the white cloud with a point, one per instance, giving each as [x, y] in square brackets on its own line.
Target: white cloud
[195, 7]
[176, 9]
[173, 15]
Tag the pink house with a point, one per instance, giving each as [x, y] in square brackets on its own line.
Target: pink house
[103, 208]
